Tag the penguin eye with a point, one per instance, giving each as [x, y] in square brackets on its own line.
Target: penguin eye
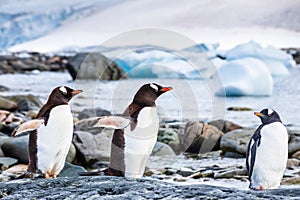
[154, 87]
[63, 90]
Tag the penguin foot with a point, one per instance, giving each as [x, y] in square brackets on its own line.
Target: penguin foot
[29, 175]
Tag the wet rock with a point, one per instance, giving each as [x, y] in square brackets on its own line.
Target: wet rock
[3, 139]
[291, 181]
[7, 104]
[230, 173]
[296, 155]
[236, 141]
[233, 155]
[93, 112]
[104, 187]
[70, 170]
[26, 102]
[17, 148]
[239, 109]
[224, 125]
[93, 66]
[16, 169]
[170, 137]
[292, 162]
[92, 148]
[201, 138]
[86, 125]
[161, 149]
[294, 142]
[6, 162]
[3, 88]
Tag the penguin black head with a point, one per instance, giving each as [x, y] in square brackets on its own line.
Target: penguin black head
[268, 116]
[148, 93]
[62, 95]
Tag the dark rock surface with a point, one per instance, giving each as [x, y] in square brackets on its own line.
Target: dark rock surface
[121, 188]
[93, 66]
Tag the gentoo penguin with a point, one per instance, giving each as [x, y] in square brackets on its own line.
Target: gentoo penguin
[135, 134]
[51, 133]
[267, 152]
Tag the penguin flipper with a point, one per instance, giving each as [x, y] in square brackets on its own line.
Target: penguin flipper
[115, 122]
[251, 152]
[28, 126]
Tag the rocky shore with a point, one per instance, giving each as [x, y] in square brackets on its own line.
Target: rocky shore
[188, 157]
[121, 188]
[186, 152]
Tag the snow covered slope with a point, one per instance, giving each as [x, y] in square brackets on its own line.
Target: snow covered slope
[228, 22]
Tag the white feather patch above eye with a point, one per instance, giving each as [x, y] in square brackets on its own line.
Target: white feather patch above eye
[63, 90]
[270, 111]
[154, 87]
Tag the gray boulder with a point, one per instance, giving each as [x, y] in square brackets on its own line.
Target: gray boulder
[92, 112]
[161, 149]
[71, 170]
[170, 136]
[6, 104]
[17, 148]
[236, 141]
[92, 148]
[94, 66]
[6, 162]
[224, 125]
[108, 187]
[294, 142]
[201, 138]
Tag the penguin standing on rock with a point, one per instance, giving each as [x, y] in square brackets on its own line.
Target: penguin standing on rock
[50, 134]
[135, 134]
[267, 152]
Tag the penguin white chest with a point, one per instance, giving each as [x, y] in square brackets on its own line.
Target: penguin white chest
[271, 157]
[54, 139]
[139, 143]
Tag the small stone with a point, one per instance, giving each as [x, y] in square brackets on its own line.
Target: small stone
[185, 172]
[294, 142]
[233, 155]
[2, 179]
[230, 173]
[207, 174]
[239, 109]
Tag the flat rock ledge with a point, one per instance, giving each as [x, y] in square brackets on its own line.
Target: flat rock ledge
[104, 187]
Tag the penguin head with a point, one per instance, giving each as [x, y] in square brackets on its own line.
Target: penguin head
[148, 93]
[62, 94]
[268, 116]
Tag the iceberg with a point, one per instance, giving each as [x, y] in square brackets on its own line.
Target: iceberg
[156, 63]
[245, 77]
[275, 59]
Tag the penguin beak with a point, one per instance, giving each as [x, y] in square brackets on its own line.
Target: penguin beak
[165, 89]
[75, 92]
[258, 114]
